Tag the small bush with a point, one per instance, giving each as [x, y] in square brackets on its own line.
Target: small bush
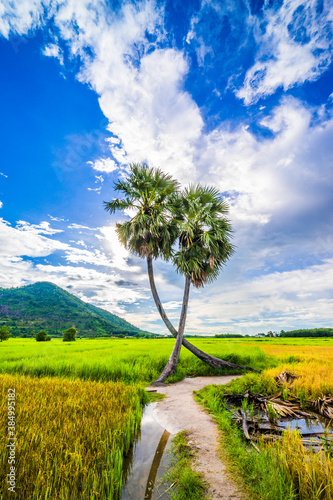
[5, 333]
[69, 335]
[42, 336]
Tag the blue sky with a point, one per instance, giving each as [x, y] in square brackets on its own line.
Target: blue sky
[233, 94]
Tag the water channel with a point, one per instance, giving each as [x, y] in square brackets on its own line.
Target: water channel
[147, 461]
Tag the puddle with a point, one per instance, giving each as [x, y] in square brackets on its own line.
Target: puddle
[308, 427]
[147, 461]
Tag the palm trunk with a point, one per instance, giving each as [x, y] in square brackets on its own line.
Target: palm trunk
[207, 358]
[171, 365]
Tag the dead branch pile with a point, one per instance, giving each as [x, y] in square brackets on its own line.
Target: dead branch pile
[291, 408]
[275, 407]
[323, 406]
[286, 377]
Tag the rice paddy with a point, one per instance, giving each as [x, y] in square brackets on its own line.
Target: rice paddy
[78, 407]
[283, 469]
[70, 436]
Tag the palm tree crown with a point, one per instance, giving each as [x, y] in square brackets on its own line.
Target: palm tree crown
[151, 232]
[204, 234]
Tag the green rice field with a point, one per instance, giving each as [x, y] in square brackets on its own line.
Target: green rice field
[78, 405]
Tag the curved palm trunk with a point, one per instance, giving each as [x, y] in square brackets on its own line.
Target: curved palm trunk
[171, 365]
[207, 358]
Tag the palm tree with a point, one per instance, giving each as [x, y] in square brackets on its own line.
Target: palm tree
[153, 230]
[204, 247]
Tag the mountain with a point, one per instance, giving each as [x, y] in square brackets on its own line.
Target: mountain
[45, 306]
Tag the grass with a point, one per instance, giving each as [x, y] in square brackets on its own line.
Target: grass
[126, 360]
[283, 470]
[71, 436]
[79, 405]
[187, 484]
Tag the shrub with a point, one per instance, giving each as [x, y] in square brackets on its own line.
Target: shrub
[69, 335]
[42, 336]
[4, 333]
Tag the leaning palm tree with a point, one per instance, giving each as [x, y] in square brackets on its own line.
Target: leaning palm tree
[204, 247]
[153, 230]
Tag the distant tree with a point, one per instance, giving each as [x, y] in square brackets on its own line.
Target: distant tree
[69, 335]
[5, 333]
[42, 336]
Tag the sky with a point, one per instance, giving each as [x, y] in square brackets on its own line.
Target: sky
[233, 94]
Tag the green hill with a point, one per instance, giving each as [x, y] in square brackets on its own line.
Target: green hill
[45, 306]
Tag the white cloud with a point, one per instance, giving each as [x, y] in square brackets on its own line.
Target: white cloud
[272, 301]
[266, 177]
[118, 254]
[19, 16]
[57, 219]
[296, 46]
[80, 226]
[53, 50]
[106, 165]
[42, 228]
[26, 239]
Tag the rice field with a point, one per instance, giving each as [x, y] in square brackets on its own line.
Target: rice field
[285, 469]
[71, 436]
[78, 405]
[127, 360]
[312, 363]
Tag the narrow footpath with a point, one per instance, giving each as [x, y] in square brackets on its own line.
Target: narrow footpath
[177, 412]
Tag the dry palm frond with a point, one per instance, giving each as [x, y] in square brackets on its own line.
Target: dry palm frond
[286, 377]
[324, 406]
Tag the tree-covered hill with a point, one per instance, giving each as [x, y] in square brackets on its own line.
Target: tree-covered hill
[45, 306]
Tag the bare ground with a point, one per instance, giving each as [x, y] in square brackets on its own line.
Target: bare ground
[177, 412]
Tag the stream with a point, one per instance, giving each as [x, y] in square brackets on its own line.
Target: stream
[147, 461]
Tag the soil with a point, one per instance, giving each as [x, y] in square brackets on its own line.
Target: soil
[177, 412]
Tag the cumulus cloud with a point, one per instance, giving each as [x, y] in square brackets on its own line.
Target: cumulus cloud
[106, 165]
[295, 45]
[53, 50]
[276, 175]
[90, 273]
[300, 297]
[19, 16]
[27, 239]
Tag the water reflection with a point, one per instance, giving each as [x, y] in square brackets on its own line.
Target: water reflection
[147, 461]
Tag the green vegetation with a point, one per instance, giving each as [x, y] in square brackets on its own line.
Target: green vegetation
[259, 473]
[69, 335]
[187, 484]
[69, 421]
[229, 336]
[45, 306]
[42, 336]
[128, 360]
[285, 469]
[308, 332]
[4, 333]
[71, 437]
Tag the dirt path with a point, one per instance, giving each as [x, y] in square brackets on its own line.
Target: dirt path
[179, 411]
